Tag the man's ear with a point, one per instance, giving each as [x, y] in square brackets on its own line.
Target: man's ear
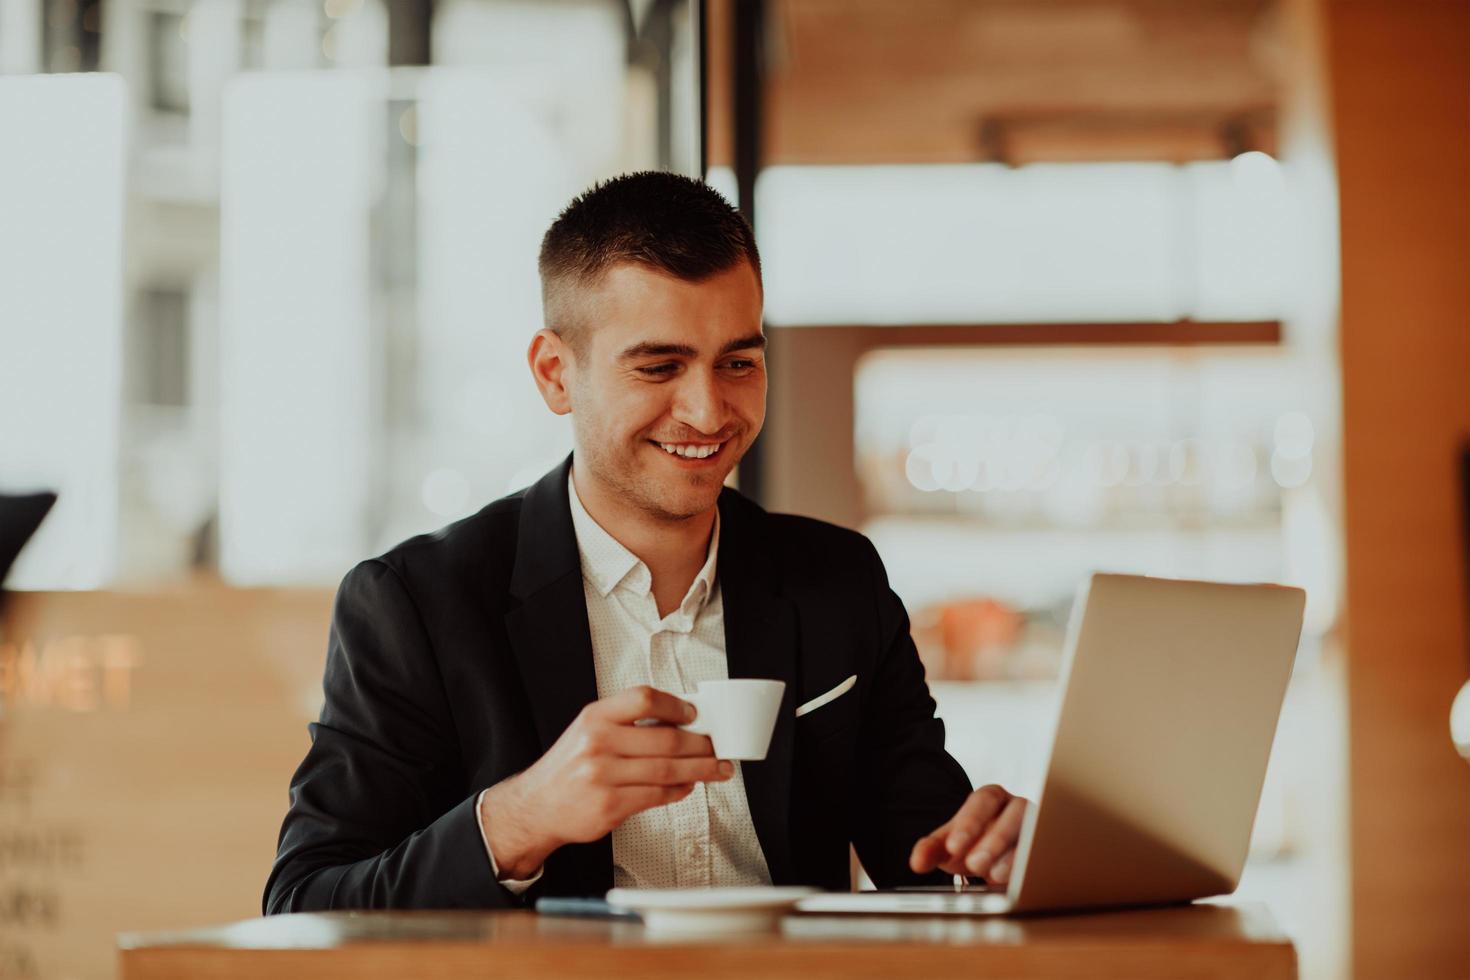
[550, 359]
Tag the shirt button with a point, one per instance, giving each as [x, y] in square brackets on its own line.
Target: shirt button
[693, 851]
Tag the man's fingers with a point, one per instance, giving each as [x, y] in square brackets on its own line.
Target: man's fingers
[638, 703]
[928, 852]
[657, 740]
[635, 799]
[667, 772]
[979, 809]
[951, 846]
[957, 842]
[978, 840]
[1000, 871]
[1000, 837]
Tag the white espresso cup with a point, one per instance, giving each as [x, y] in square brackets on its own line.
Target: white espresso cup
[738, 715]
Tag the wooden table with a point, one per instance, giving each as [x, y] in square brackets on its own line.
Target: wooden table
[1198, 941]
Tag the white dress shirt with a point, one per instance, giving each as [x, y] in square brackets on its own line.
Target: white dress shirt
[706, 839]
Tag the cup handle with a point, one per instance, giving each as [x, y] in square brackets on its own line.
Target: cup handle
[694, 727]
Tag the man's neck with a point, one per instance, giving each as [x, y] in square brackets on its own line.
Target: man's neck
[673, 550]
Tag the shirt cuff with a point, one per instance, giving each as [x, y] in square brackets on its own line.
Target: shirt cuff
[513, 885]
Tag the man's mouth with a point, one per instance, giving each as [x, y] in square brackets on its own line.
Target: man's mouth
[694, 452]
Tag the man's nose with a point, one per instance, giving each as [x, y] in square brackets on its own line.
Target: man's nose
[699, 403]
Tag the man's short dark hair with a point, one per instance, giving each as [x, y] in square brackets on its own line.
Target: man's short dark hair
[664, 221]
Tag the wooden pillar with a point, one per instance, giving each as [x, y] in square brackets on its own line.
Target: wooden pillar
[1400, 83]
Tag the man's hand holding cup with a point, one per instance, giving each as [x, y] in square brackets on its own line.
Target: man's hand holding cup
[603, 769]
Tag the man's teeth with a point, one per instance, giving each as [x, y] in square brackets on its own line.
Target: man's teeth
[690, 452]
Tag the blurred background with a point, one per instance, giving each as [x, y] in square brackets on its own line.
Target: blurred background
[1162, 286]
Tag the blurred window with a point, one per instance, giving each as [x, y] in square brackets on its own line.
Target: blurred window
[379, 235]
[988, 243]
[330, 275]
[996, 479]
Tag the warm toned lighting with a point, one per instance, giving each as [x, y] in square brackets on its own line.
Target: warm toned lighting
[1460, 721]
[74, 672]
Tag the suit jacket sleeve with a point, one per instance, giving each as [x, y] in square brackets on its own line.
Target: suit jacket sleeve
[913, 784]
[380, 814]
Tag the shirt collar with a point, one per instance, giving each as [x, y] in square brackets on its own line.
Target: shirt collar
[606, 563]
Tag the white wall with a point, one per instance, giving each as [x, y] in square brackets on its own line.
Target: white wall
[61, 264]
[301, 158]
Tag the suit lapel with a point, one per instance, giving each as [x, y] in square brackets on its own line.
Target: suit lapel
[761, 641]
[553, 647]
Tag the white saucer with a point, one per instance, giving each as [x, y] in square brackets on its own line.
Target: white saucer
[708, 911]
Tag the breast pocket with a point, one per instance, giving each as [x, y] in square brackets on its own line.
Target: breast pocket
[834, 711]
[825, 774]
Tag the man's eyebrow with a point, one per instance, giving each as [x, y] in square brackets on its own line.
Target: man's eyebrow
[651, 349]
[754, 342]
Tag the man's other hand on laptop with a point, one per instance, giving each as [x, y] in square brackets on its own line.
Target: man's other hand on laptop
[978, 840]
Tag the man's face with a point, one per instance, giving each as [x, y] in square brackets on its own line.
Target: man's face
[669, 389]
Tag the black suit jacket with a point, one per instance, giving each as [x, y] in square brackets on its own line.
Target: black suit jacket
[457, 658]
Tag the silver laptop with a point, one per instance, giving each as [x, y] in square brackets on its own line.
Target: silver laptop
[1170, 695]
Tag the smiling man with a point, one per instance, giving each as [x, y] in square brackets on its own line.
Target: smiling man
[502, 696]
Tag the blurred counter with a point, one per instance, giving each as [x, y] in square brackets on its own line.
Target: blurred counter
[146, 743]
[1205, 941]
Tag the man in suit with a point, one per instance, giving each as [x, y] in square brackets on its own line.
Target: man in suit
[502, 696]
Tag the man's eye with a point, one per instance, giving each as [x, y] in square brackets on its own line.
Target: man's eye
[740, 365]
[658, 369]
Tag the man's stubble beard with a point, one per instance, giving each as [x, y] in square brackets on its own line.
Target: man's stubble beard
[619, 475]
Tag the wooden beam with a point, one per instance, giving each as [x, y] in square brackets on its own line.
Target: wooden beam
[1399, 73]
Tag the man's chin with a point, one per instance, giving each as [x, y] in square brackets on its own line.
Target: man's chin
[687, 502]
[674, 492]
